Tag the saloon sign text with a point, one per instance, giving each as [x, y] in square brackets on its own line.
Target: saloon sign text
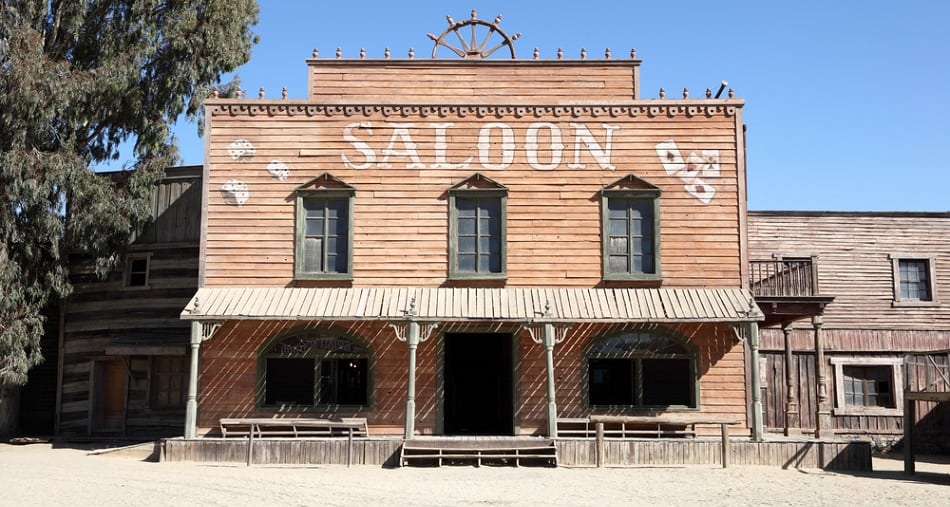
[545, 146]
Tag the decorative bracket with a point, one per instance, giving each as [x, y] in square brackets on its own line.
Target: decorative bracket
[536, 327]
[401, 328]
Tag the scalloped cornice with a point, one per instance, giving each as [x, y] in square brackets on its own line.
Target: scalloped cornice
[668, 108]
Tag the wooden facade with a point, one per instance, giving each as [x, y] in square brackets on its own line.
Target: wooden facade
[856, 258]
[398, 141]
[123, 346]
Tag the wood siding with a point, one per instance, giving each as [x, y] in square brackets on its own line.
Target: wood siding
[450, 81]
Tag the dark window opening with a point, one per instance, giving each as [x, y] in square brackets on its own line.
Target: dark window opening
[169, 381]
[289, 381]
[137, 272]
[914, 279]
[312, 370]
[868, 386]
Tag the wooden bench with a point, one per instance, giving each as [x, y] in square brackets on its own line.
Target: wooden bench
[293, 427]
[602, 427]
[251, 428]
[502, 451]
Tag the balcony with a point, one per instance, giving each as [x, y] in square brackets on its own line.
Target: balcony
[786, 290]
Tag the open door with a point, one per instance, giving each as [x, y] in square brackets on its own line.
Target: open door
[478, 384]
[110, 388]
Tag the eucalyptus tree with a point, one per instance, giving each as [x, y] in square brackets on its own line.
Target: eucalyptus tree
[80, 79]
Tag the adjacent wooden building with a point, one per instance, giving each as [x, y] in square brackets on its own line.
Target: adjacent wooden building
[472, 246]
[123, 364]
[878, 284]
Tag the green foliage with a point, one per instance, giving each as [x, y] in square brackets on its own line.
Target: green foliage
[77, 78]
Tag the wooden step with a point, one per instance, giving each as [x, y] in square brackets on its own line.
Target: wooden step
[509, 452]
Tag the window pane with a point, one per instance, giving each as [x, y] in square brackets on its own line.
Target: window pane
[289, 381]
[617, 264]
[666, 382]
[618, 228]
[314, 207]
[611, 382]
[466, 226]
[914, 279]
[466, 263]
[314, 227]
[618, 246]
[465, 207]
[868, 386]
[313, 255]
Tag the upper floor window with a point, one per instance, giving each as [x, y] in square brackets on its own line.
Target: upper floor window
[641, 369]
[315, 369]
[630, 230]
[324, 236]
[914, 280]
[477, 229]
[137, 268]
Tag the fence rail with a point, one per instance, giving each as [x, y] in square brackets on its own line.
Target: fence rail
[783, 278]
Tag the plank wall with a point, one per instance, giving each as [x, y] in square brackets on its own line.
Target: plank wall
[401, 213]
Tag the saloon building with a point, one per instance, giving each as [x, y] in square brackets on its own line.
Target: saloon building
[473, 245]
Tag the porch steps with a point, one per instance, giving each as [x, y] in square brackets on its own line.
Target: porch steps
[478, 451]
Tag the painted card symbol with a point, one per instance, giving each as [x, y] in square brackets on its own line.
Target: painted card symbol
[711, 163]
[241, 149]
[701, 191]
[670, 156]
[235, 192]
[278, 169]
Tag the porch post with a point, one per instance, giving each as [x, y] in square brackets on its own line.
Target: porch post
[191, 406]
[549, 339]
[791, 403]
[412, 338]
[753, 338]
[823, 421]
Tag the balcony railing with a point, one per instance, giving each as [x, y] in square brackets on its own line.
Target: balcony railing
[783, 278]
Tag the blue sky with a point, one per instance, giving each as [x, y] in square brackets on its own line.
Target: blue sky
[846, 101]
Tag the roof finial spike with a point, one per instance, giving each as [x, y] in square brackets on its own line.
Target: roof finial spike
[633, 54]
[537, 53]
[316, 53]
[685, 93]
[386, 53]
[560, 53]
[412, 53]
[339, 53]
[450, 20]
[732, 93]
[432, 36]
[583, 54]
[547, 308]
[474, 14]
[239, 93]
[662, 93]
[362, 53]
[260, 93]
[708, 93]
[498, 19]
[215, 92]
[283, 92]
[607, 54]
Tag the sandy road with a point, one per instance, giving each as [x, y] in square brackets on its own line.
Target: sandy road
[43, 475]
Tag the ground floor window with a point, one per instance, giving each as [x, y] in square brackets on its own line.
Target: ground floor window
[868, 386]
[169, 382]
[315, 370]
[641, 370]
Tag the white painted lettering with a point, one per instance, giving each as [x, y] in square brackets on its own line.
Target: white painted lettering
[368, 154]
[531, 146]
[601, 154]
[507, 146]
[401, 134]
[440, 147]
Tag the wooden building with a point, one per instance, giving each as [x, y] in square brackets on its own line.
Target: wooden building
[472, 246]
[122, 346]
[882, 283]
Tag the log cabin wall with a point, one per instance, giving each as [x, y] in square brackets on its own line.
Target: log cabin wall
[865, 325]
[137, 327]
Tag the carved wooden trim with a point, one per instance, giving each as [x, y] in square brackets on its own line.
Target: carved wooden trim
[667, 108]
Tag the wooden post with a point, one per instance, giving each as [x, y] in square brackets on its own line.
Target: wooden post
[349, 447]
[250, 445]
[412, 339]
[549, 362]
[910, 416]
[725, 445]
[753, 339]
[791, 403]
[191, 406]
[823, 421]
[601, 445]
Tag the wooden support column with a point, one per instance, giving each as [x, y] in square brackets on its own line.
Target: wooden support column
[752, 336]
[824, 426]
[201, 331]
[413, 333]
[548, 335]
[791, 381]
[910, 419]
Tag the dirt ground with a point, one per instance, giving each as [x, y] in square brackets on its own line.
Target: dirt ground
[45, 474]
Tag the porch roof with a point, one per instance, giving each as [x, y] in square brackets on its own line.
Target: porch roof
[474, 304]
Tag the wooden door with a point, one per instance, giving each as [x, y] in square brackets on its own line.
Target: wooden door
[111, 388]
[478, 384]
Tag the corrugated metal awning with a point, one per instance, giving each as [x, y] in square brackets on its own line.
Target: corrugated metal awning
[473, 304]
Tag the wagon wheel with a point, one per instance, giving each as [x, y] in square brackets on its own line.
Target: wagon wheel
[474, 46]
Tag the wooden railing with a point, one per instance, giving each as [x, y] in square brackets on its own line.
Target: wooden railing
[783, 278]
[927, 372]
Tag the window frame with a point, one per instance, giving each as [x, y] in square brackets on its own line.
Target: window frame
[501, 194]
[300, 228]
[897, 385]
[899, 300]
[318, 356]
[636, 358]
[127, 274]
[154, 384]
[639, 194]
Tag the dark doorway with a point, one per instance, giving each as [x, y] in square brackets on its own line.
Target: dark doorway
[478, 384]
